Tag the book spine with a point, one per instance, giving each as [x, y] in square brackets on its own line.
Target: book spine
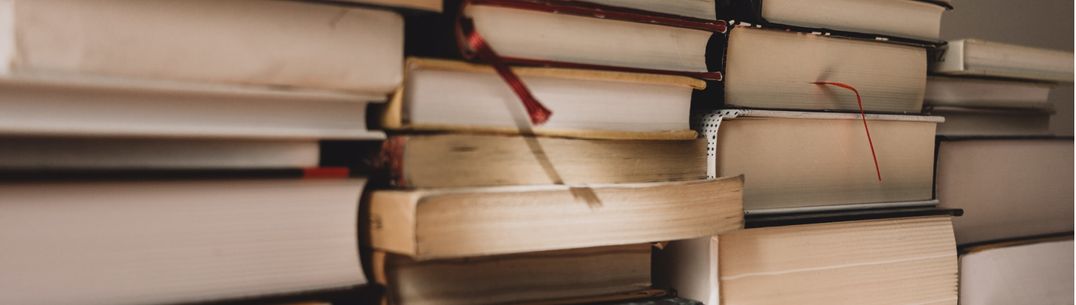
[390, 160]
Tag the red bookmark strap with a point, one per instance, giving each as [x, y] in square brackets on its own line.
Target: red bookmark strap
[474, 46]
[863, 115]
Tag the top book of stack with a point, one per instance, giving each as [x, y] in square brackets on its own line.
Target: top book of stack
[906, 20]
[266, 43]
[264, 80]
[978, 58]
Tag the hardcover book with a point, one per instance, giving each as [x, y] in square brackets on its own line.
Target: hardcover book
[977, 92]
[424, 5]
[992, 122]
[572, 276]
[975, 57]
[465, 222]
[152, 241]
[776, 69]
[418, 161]
[816, 160]
[908, 19]
[701, 9]
[1010, 187]
[94, 153]
[290, 44]
[1028, 271]
[443, 95]
[617, 35]
[908, 260]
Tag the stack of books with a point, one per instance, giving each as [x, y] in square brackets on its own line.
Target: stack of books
[999, 161]
[482, 152]
[496, 201]
[993, 89]
[158, 152]
[821, 112]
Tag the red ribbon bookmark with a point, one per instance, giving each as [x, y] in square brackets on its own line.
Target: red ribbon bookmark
[863, 115]
[539, 114]
[472, 45]
[477, 47]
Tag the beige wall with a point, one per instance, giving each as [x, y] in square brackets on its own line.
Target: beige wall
[1039, 23]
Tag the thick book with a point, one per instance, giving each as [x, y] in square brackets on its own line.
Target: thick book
[444, 95]
[776, 69]
[910, 19]
[995, 59]
[67, 105]
[907, 260]
[1033, 271]
[975, 106]
[163, 241]
[819, 160]
[996, 122]
[95, 153]
[270, 43]
[1008, 187]
[572, 276]
[973, 92]
[607, 34]
[701, 9]
[462, 222]
[422, 5]
[418, 161]
[75, 122]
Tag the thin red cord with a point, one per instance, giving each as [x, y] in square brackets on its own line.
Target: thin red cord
[473, 45]
[538, 113]
[863, 115]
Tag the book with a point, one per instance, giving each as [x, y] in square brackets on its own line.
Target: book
[571, 32]
[418, 161]
[963, 121]
[445, 95]
[913, 19]
[907, 260]
[816, 160]
[422, 5]
[1009, 187]
[969, 92]
[701, 9]
[995, 59]
[989, 107]
[177, 241]
[367, 294]
[289, 44]
[663, 300]
[92, 153]
[775, 69]
[465, 222]
[562, 277]
[1033, 271]
[77, 106]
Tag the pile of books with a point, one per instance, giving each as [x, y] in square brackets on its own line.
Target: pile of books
[1000, 162]
[675, 152]
[158, 152]
[822, 113]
